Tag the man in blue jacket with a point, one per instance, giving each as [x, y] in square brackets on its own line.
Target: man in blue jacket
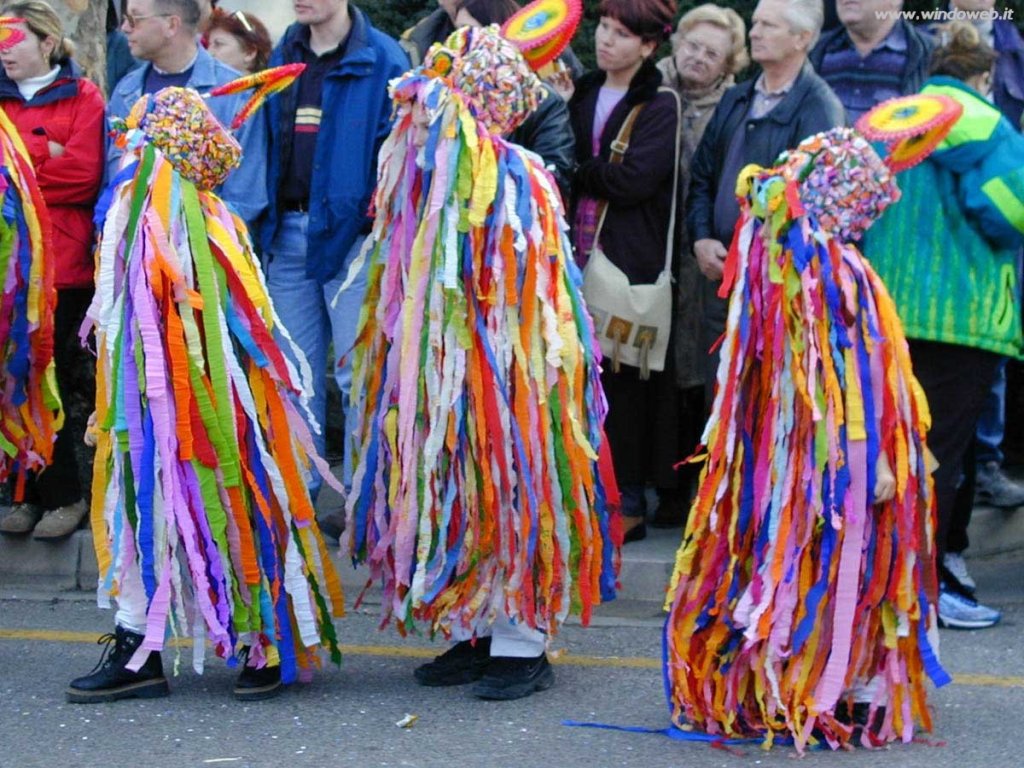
[325, 132]
[163, 35]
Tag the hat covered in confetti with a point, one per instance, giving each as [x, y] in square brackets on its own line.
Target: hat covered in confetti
[490, 73]
[843, 182]
[178, 122]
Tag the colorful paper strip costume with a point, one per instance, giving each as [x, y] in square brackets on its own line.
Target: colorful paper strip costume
[30, 406]
[200, 476]
[483, 485]
[798, 604]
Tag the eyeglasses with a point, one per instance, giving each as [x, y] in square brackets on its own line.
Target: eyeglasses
[693, 48]
[131, 21]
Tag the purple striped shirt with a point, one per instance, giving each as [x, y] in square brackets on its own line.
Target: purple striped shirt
[861, 82]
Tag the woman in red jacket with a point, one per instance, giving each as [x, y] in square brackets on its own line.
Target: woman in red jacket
[59, 115]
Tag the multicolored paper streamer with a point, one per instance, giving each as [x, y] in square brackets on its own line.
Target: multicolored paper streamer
[266, 83]
[30, 406]
[795, 595]
[203, 455]
[483, 485]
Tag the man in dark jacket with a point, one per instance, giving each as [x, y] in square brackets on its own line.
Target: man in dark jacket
[873, 56]
[755, 122]
[325, 132]
[547, 132]
[431, 29]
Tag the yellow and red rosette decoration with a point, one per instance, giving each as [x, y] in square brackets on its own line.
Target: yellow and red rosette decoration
[543, 29]
[911, 126]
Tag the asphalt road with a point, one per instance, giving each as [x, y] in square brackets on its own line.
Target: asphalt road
[608, 673]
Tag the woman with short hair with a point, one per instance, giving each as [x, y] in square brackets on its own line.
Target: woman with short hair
[636, 197]
[239, 40]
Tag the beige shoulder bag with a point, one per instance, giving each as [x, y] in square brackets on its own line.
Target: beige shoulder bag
[632, 321]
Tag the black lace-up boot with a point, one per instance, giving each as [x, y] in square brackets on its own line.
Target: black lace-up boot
[111, 680]
[257, 684]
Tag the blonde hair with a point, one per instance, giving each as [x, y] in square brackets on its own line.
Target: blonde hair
[43, 22]
[725, 19]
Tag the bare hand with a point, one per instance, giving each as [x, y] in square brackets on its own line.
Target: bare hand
[562, 84]
[885, 481]
[91, 431]
[710, 258]
[56, 150]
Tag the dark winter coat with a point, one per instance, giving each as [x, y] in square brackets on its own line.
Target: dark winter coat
[548, 133]
[417, 39]
[638, 190]
[810, 107]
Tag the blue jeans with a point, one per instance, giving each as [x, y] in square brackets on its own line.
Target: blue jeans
[304, 306]
[992, 423]
[634, 500]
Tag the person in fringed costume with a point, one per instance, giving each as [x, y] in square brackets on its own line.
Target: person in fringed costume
[802, 603]
[483, 495]
[30, 406]
[202, 522]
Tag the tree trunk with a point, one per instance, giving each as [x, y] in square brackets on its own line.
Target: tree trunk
[85, 22]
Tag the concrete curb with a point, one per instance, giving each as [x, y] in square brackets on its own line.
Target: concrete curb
[646, 565]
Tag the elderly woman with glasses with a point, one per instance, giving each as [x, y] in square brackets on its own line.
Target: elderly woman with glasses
[708, 50]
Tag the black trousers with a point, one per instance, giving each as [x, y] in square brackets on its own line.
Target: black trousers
[59, 485]
[956, 380]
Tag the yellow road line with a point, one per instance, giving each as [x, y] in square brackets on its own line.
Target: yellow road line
[398, 652]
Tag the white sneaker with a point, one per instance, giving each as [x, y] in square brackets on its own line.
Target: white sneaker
[957, 566]
[959, 612]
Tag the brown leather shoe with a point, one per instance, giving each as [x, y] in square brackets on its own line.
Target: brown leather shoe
[21, 520]
[61, 522]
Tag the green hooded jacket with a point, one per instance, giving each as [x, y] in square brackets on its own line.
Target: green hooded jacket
[949, 250]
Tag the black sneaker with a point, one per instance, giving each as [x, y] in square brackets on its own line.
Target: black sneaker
[110, 680]
[257, 684]
[510, 678]
[332, 525]
[463, 663]
[860, 718]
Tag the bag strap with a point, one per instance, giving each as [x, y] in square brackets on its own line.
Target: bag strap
[618, 147]
[675, 178]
